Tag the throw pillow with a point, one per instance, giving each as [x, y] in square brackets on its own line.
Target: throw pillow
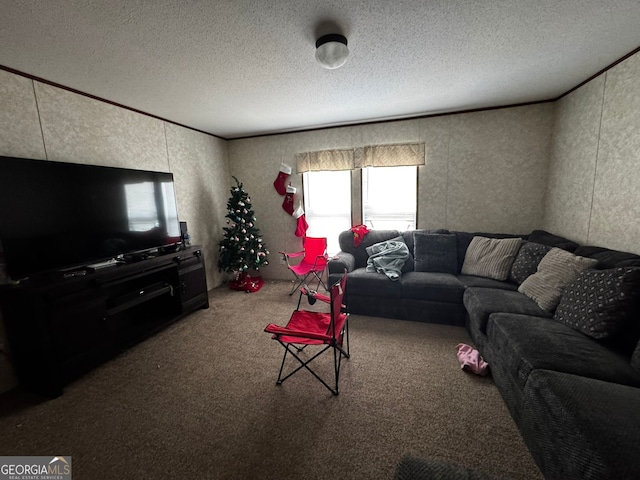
[490, 257]
[527, 261]
[600, 302]
[556, 270]
[434, 253]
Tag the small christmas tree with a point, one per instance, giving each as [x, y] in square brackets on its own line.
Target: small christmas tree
[242, 247]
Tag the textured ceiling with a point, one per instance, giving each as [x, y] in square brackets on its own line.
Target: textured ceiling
[238, 68]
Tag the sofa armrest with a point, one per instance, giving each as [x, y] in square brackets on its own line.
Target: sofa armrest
[342, 261]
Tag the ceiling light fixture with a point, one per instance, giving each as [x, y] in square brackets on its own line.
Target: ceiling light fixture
[331, 50]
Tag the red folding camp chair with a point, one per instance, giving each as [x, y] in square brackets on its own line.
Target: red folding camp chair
[330, 331]
[314, 262]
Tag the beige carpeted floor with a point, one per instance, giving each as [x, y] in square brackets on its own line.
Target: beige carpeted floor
[199, 401]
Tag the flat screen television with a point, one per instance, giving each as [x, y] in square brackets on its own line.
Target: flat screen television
[57, 215]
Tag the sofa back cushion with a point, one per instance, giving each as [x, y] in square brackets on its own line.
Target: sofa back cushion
[556, 270]
[527, 261]
[546, 238]
[408, 235]
[609, 258]
[434, 253]
[490, 257]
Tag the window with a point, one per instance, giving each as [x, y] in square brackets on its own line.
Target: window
[389, 197]
[327, 205]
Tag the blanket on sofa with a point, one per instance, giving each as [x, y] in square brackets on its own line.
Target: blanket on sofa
[388, 257]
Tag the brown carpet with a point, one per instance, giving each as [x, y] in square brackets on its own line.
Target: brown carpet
[199, 400]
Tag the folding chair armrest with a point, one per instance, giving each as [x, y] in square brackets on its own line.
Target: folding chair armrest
[278, 330]
[321, 260]
[286, 256]
[292, 255]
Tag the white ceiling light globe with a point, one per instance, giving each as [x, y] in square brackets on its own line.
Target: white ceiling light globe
[332, 51]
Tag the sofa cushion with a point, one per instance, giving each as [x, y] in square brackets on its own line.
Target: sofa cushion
[482, 302]
[473, 281]
[361, 282]
[546, 238]
[433, 286]
[599, 303]
[490, 257]
[527, 261]
[609, 258]
[556, 270]
[434, 253]
[408, 235]
[577, 427]
[524, 343]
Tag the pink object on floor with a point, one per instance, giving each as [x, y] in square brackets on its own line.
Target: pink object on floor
[470, 360]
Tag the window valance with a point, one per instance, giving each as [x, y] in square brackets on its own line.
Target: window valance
[325, 160]
[394, 155]
[398, 155]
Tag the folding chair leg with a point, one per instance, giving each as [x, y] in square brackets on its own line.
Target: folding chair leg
[305, 365]
[297, 283]
[320, 281]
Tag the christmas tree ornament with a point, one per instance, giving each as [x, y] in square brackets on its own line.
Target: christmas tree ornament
[281, 179]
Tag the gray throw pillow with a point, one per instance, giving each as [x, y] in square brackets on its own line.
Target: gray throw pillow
[490, 257]
[527, 261]
[434, 253]
[600, 302]
[556, 270]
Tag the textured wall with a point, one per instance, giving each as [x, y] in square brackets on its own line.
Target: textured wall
[483, 171]
[593, 193]
[201, 175]
[80, 129]
[497, 174]
[20, 133]
[573, 162]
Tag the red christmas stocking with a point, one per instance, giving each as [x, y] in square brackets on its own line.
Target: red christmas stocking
[287, 204]
[283, 175]
[302, 225]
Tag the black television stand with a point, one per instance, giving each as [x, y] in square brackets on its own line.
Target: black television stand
[62, 326]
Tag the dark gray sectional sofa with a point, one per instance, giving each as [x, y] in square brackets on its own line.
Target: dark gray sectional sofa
[572, 387]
